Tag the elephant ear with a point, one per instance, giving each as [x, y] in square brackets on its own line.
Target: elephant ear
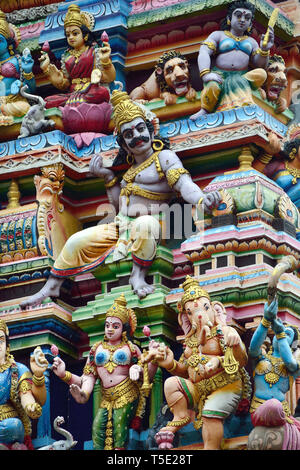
[183, 320]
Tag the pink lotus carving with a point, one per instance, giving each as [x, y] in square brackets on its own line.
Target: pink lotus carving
[146, 331]
[87, 117]
[54, 350]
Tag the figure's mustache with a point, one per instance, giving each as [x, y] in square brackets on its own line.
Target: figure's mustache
[136, 140]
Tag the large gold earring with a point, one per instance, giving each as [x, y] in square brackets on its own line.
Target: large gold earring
[293, 153]
[129, 159]
[10, 47]
[157, 145]
[228, 22]
[86, 37]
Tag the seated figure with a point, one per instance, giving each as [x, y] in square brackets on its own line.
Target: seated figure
[225, 58]
[15, 71]
[86, 71]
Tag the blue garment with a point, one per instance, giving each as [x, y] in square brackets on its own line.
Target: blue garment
[230, 44]
[120, 357]
[11, 429]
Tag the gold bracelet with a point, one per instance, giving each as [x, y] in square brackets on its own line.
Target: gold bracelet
[67, 378]
[28, 76]
[174, 365]
[38, 381]
[281, 335]
[261, 52]
[111, 183]
[265, 323]
[200, 201]
[106, 64]
[265, 158]
[204, 72]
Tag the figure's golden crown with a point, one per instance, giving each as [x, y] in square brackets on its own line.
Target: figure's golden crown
[125, 110]
[126, 315]
[192, 290]
[119, 309]
[76, 17]
[3, 327]
[4, 26]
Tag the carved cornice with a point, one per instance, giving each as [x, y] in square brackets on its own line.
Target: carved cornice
[32, 14]
[156, 15]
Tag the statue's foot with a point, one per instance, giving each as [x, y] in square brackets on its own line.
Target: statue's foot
[200, 113]
[140, 287]
[164, 439]
[50, 289]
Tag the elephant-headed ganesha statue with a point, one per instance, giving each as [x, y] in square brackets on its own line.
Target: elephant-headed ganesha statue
[208, 381]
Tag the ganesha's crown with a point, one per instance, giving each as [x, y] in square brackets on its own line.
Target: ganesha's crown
[125, 110]
[192, 290]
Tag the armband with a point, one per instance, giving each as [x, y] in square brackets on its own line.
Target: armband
[174, 174]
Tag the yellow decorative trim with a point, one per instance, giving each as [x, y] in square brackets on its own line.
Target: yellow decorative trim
[295, 172]
[174, 174]
[28, 76]
[67, 378]
[38, 381]
[210, 45]
[111, 183]
[265, 323]
[7, 411]
[261, 52]
[204, 72]
[173, 367]
[281, 335]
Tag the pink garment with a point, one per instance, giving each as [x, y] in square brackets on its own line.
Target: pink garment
[271, 414]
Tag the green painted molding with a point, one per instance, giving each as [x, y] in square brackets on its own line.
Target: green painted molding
[263, 12]
[41, 339]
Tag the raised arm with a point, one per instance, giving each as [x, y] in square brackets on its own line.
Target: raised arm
[180, 180]
[260, 334]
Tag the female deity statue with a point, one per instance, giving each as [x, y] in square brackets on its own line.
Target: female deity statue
[224, 60]
[115, 361]
[86, 71]
[15, 72]
[22, 395]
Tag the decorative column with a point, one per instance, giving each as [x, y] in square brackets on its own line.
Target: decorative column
[156, 396]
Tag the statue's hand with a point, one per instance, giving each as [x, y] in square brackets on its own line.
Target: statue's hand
[44, 61]
[134, 372]
[270, 311]
[15, 87]
[231, 337]
[270, 42]
[105, 52]
[211, 200]
[78, 394]
[59, 367]
[33, 410]
[277, 326]
[191, 94]
[97, 169]
[212, 77]
[280, 105]
[212, 365]
[27, 61]
[96, 76]
[38, 362]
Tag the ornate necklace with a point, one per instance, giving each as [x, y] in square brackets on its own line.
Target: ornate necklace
[272, 368]
[193, 343]
[236, 38]
[111, 365]
[131, 174]
[293, 172]
[75, 53]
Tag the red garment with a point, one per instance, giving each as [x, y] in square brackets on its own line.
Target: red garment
[91, 93]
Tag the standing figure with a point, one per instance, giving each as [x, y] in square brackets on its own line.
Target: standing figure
[115, 361]
[86, 71]
[146, 188]
[208, 379]
[224, 60]
[274, 372]
[22, 395]
[15, 71]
